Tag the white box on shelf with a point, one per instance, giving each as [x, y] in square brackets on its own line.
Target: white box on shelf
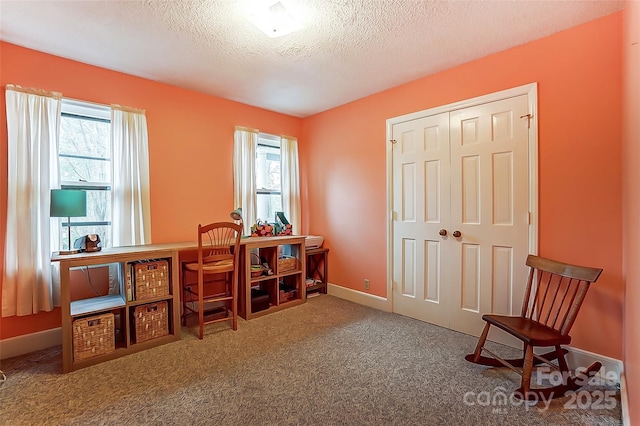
[313, 241]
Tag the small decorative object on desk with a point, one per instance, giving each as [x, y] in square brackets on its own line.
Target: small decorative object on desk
[285, 230]
[280, 227]
[262, 229]
[285, 227]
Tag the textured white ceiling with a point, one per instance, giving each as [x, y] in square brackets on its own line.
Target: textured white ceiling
[349, 49]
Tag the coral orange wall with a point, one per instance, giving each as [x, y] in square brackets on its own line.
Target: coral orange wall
[580, 105]
[190, 146]
[631, 206]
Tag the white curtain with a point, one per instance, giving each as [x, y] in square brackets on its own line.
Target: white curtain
[33, 122]
[245, 143]
[130, 194]
[290, 176]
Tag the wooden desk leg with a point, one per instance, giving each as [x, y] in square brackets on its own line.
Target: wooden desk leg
[324, 272]
[67, 324]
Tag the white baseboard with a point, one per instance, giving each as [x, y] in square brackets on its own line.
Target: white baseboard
[359, 297]
[624, 401]
[28, 343]
[612, 368]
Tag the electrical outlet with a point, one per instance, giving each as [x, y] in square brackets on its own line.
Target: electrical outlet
[366, 284]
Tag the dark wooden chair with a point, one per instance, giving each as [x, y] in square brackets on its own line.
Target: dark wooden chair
[216, 297]
[555, 291]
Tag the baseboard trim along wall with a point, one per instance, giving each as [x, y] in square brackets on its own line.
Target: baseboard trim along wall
[28, 343]
[624, 401]
[612, 368]
[358, 297]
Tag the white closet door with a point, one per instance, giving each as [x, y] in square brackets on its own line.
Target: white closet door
[490, 209]
[421, 208]
[461, 171]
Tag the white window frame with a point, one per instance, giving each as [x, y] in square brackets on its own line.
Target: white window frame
[265, 139]
[91, 111]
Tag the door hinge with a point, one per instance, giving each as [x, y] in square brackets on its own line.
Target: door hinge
[529, 117]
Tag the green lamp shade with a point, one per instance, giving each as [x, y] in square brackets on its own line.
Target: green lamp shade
[68, 203]
[236, 214]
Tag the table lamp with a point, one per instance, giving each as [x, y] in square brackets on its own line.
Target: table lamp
[68, 203]
[237, 215]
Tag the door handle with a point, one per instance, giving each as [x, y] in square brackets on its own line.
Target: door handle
[456, 234]
[443, 232]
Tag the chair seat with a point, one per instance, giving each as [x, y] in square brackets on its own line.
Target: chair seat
[212, 267]
[527, 330]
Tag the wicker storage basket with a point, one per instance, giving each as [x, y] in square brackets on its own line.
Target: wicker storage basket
[151, 279]
[151, 321]
[286, 296]
[287, 292]
[93, 336]
[286, 264]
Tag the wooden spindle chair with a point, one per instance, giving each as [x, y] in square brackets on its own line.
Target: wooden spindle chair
[218, 251]
[555, 291]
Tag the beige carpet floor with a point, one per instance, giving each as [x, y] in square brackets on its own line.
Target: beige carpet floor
[326, 362]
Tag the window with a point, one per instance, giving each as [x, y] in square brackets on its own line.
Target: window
[84, 158]
[268, 182]
[265, 176]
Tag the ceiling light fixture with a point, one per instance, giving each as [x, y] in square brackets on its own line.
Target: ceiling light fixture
[274, 19]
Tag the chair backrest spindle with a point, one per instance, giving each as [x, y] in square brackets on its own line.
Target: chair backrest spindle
[533, 313]
[551, 309]
[547, 285]
[577, 300]
[527, 294]
[561, 303]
